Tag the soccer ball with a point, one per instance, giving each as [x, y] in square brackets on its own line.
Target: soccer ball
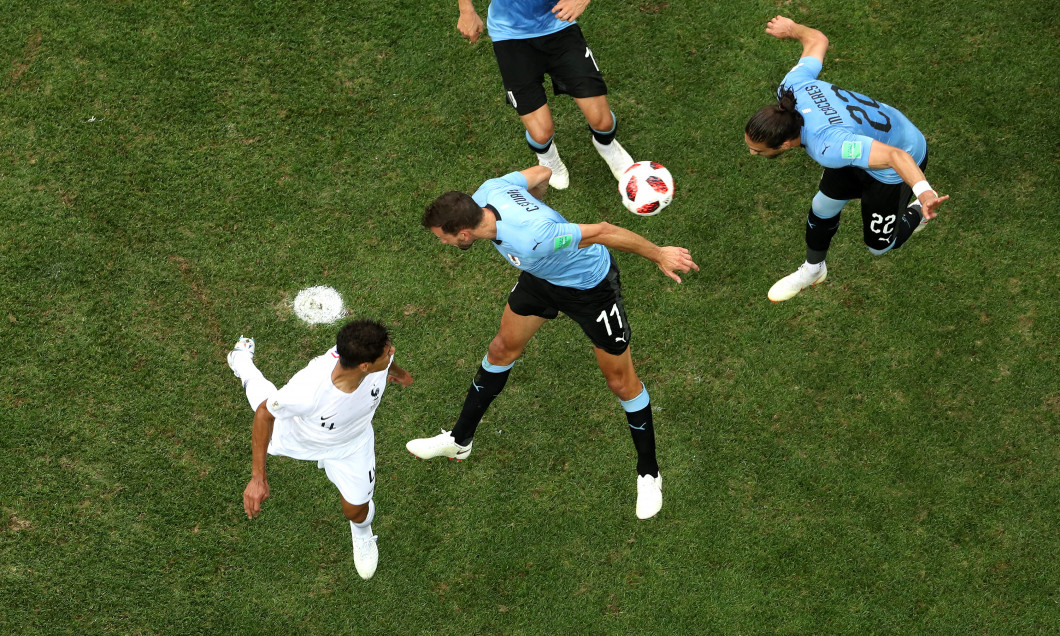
[646, 188]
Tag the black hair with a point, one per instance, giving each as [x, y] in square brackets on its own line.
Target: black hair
[775, 124]
[361, 341]
[453, 212]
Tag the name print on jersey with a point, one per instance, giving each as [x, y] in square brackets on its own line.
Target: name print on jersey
[818, 97]
[518, 198]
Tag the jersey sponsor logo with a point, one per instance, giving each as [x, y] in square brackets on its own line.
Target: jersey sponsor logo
[852, 150]
[562, 241]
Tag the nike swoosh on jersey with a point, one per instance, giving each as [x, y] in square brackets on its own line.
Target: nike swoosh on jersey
[327, 417]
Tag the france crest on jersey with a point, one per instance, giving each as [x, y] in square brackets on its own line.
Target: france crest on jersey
[840, 125]
[536, 239]
[522, 19]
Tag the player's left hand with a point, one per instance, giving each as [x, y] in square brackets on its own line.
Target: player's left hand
[569, 10]
[930, 202]
[677, 259]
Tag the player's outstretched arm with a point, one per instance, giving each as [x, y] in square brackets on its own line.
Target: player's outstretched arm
[569, 10]
[670, 259]
[399, 375]
[814, 43]
[883, 156]
[257, 490]
[469, 24]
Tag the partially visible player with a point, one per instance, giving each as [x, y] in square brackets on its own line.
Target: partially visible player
[324, 414]
[565, 267]
[870, 151]
[534, 37]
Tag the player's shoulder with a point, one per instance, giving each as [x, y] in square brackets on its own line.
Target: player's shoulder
[491, 187]
[807, 70]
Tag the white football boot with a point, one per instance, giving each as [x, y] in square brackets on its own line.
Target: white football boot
[649, 496]
[365, 555]
[441, 445]
[618, 160]
[800, 279]
[560, 178]
[241, 353]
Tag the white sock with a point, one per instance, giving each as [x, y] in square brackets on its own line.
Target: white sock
[363, 529]
[549, 157]
[256, 385]
[813, 267]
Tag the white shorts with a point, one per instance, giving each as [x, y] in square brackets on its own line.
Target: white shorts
[354, 476]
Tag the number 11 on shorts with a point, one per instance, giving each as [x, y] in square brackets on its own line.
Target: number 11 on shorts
[607, 323]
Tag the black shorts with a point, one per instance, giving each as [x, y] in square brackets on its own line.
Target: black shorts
[566, 58]
[882, 204]
[598, 310]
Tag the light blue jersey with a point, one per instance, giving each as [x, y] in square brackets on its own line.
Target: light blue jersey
[536, 239]
[840, 125]
[522, 19]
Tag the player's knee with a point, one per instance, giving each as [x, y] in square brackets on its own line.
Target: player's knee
[540, 128]
[356, 514]
[502, 352]
[625, 386]
[602, 121]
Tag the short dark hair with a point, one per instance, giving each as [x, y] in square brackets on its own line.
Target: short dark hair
[361, 341]
[453, 212]
[775, 124]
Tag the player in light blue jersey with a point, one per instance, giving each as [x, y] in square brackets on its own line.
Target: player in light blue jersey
[870, 151]
[567, 268]
[535, 37]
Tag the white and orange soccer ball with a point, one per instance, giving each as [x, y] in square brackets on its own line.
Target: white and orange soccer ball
[646, 188]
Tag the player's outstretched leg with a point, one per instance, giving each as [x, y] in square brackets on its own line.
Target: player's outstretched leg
[548, 156]
[806, 276]
[616, 157]
[240, 355]
[255, 384]
[365, 550]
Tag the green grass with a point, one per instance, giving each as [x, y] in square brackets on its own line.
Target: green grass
[878, 455]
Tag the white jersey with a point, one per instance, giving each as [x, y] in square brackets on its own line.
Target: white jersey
[315, 420]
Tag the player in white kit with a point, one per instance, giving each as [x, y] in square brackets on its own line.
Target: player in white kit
[324, 414]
